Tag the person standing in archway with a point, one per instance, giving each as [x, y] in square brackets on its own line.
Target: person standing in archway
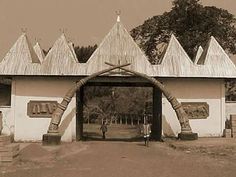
[103, 128]
[146, 130]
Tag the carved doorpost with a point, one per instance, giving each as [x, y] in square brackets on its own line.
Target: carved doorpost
[1, 123]
[79, 114]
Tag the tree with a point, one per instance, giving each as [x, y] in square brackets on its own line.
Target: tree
[192, 23]
[84, 53]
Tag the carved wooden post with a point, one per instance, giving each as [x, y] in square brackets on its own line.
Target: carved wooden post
[1, 123]
[53, 137]
[186, 131]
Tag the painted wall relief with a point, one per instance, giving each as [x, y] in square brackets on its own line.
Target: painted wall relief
[42, 109]
[196, 110]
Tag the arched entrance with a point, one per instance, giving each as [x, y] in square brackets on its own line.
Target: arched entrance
[53, 136]
[120, 130]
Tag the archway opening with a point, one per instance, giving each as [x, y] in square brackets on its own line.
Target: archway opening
[121, 105]
[53, 136]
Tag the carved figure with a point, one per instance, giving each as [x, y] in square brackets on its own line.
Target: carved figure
[196, 110]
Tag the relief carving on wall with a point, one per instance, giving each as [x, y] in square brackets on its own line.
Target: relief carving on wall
[196, 110]
[42, 109]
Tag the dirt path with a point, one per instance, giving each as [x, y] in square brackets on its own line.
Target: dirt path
[117, 159]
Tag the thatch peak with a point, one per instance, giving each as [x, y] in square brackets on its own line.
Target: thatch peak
[60, 59]
[118, 47]
[213, 50]
[61, 48]
[19, 57]
[175, 50]
[216, 60]
[198, 54]
[39, 52]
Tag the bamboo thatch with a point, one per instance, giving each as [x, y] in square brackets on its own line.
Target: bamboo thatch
[215, 61]
[176, 62]
[72, 50]
[118, 48]
[198, 54]
[60, 60]
[39, 52]
[20, 58]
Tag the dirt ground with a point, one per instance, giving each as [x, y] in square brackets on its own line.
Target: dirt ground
[207, 157]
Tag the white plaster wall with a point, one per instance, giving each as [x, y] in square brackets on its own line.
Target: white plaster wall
[196, 90]
[25, 89]
[50, 89]
[8, 114]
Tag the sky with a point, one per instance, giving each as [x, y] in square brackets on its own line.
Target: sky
[85, 22]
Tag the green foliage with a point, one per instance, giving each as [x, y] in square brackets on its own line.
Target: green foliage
[192, 24]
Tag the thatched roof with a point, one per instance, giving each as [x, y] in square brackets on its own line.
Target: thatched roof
[60, 60]
[71, 45]
[175, 62]
[215, 60]
[117, 47]
[39, 52]
[198, 54]
[20, 58]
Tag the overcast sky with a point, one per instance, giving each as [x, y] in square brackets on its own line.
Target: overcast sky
[84, 21]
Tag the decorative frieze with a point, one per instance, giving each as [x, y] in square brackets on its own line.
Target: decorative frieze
[42, 109]
[196, 110]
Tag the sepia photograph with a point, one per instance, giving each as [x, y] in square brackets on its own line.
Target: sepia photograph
[117, 88]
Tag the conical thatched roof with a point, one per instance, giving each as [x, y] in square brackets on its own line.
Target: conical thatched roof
[39, 52]
[20, 57]
[118, 47]
[175, 62]
[215, 60]
[60, 59]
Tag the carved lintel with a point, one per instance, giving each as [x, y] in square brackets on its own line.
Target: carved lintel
[196, 110]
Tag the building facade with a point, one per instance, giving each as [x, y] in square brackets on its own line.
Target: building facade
[31, 86]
